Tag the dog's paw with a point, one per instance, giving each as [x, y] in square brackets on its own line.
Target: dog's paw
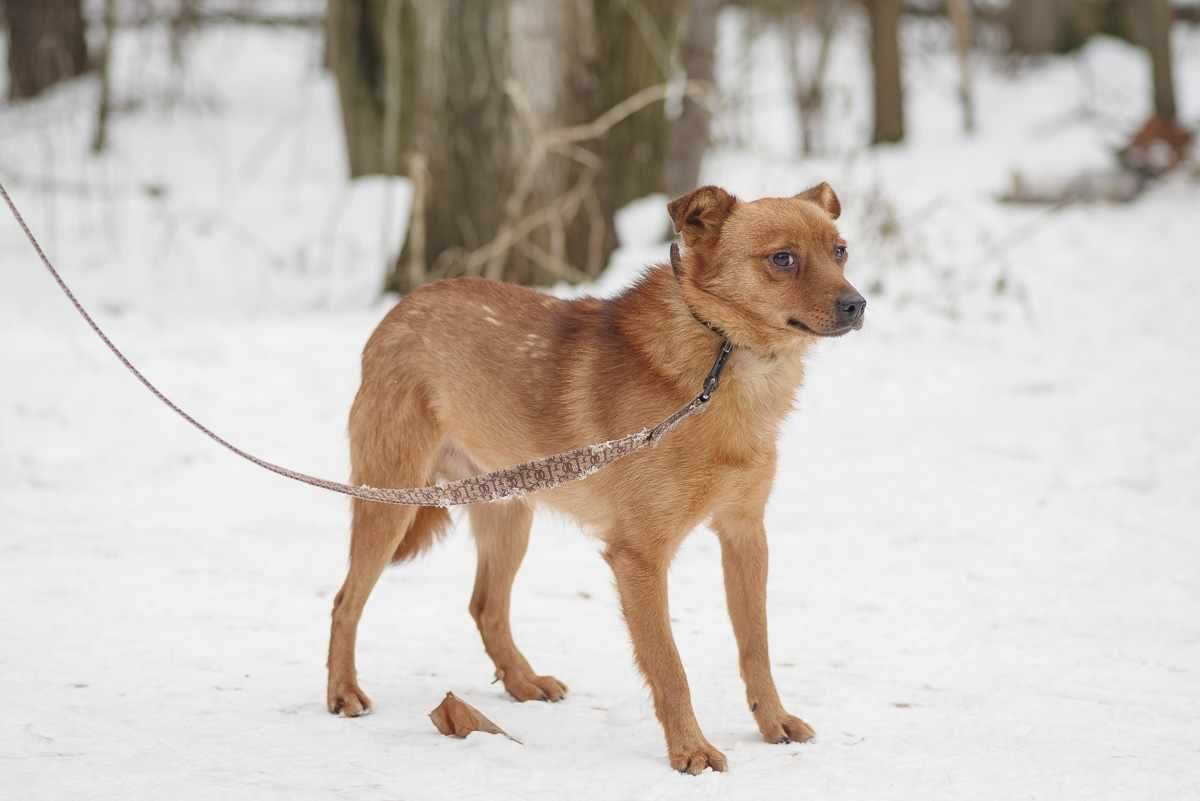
[347, 699]
[694, 756]
[786, 729]
[529, 687]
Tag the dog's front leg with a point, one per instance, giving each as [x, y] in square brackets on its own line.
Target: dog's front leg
[744, 559]
[642, 583]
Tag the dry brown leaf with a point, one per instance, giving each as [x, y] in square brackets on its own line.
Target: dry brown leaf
[454, 717]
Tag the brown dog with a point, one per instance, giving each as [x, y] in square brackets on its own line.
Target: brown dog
[466, 376]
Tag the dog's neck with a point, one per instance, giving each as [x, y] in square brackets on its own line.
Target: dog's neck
[677, 270]
[681, 348]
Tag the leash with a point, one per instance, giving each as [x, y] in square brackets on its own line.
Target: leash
[509, 482]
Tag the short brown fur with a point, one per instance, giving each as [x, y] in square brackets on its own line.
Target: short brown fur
[467, 376]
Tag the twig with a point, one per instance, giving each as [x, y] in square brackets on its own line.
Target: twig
[511, 235]
[698, 90]
[231, 16]
[551, 264]
[490, 260]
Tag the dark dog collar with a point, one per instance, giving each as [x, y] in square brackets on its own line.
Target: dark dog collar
[677, 268]
[714, 374]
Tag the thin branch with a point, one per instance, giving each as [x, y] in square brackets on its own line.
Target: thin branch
[510, 235]
[146, 18]
[491, 259]
[698, 90]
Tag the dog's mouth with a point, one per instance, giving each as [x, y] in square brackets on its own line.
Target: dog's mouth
[799, 325]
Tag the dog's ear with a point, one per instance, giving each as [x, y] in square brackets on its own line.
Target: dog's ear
[700, 214]
[823, 195]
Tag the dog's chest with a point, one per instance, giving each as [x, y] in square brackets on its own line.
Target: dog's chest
[752, 402]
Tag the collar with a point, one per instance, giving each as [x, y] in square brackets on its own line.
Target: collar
[677, 269]
[713, 378]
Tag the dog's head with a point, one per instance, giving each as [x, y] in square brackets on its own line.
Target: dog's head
[768, 272]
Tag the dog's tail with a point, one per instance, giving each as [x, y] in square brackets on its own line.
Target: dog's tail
[430, 525]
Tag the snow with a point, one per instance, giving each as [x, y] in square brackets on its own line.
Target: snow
[984, 531]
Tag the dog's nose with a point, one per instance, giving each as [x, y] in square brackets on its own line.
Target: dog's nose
[850, 307]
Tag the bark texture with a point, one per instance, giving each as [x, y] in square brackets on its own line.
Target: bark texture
[46, 44]
[635, 47]
[1158, 42]
[885, 62]
[964, 38]
[690, 131]
[373, 51]
[104, 101]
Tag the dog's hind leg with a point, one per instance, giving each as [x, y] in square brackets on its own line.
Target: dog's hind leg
[501, 536]
[393, 442]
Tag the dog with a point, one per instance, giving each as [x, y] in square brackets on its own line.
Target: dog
[466, 376]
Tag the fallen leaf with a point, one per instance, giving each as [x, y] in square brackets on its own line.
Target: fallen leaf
[454, 717]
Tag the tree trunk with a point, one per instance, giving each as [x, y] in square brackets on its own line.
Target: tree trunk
[885, 60]
[46, 44]
[960, 16]
[465, 128]
[808, 80]
[635, 43]
[690, 131]
[104, 101]
[179, 27]
[1039, 27]
[355, 64]
[1034, 26]
[1158, 42]
[373, 51]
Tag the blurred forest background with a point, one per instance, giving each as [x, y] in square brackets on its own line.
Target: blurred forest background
[524, 126]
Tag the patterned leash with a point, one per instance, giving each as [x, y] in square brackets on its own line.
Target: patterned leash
[515, 481]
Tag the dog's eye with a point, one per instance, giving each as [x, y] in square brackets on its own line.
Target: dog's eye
[783, 259]
[841, 252]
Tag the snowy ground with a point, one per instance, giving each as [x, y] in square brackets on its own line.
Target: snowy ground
[984, 534]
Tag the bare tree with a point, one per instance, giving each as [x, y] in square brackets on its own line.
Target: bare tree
[104, 101]
[182, 22]
[1034, 26]
[1039, 27]
[46, 44]
[373, 49]
[635, 43]
[568, 141]
[1157, 26]
[455, 93]
[808, 80]
[465, 130]
[885, 61]
[1045, 26]
[960, 17]
[427, 78]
